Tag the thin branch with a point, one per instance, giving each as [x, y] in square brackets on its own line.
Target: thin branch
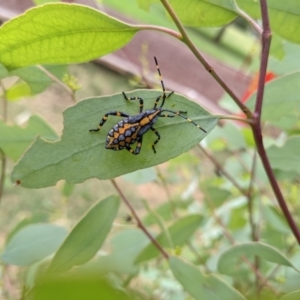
[220, 167]
[58, 81]
[139, 222]
[235, 118]
[2, 154]
[185, 39]
[256, 127]
[246, 17]
[251, 219]
[2, 175]
[250, 199]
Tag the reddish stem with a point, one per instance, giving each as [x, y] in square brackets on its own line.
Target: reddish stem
[256, 126]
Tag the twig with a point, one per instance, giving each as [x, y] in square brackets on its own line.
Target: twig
[139, 222]
[250, 199]
[246, 17]
[220, 167]
[185, 39]
[3, 156]
[58, 81]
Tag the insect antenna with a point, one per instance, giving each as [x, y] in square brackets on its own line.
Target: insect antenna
[164, 96]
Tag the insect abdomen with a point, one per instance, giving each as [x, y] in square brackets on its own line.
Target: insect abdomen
[122, 135]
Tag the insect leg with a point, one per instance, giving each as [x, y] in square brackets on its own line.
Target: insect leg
[111, 113]
[176, 113]
[157, 140]
[179, 113]
[137, 148]
[135, 98]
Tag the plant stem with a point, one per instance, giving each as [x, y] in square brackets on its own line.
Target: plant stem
[256, 126]
[185, 39]
[59, 82]
[2, 154]
[220, 167]
[139, 222]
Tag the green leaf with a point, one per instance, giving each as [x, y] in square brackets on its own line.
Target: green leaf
[18, 91]
[38, 80]
[87, 236]
[229, 258]
[126, 245]
[226, 137]
[281, 101]
[60, 34]
[216, 195]
[77, 287]
[33, 243]
[201, 286]
[81, 154]
[3, 72]
[275, 219]
[178, 233]
[284, 16]
[291, 296]
[141, 176]
[14, 140]
[291, 61]
[207, 13]
[286, 158]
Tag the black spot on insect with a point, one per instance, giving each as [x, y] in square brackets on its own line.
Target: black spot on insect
[132, 128]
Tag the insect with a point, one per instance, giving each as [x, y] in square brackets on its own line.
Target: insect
[131, 129]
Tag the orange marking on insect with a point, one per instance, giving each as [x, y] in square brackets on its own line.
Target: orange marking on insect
[121, 130]
[144, 121]
[116, 134]
[128, 139]
[127, 126]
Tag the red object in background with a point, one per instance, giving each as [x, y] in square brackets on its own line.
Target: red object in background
[254, 85]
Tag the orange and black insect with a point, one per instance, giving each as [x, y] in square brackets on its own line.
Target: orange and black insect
[131, 129]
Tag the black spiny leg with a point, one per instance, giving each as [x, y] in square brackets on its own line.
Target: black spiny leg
[157, 140]
[137, 148]
[111, 113]
[135, 98]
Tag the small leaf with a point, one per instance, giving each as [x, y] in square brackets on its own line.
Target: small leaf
[295, 295]
[87, 236]
[14, 140]
[208, 13]
[179, 232]
[126, 245]
[229, 258]
[286, 158]
[77, 287]
[60, 33]
[3, 72]
[81, 154]
[33, 243]
[281, 104]
[18, 91]
[201, 286]
[284, 16]
[37, 79]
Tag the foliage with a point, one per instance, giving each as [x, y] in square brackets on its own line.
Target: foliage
[221, 234]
